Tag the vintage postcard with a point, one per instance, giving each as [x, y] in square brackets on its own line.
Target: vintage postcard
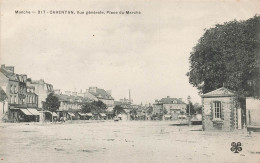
[130, 81]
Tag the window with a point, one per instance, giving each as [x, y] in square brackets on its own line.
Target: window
[217, 109]
[11, 88]
[15, 99]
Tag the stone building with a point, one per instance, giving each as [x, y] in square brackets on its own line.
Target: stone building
[70, 105]
[173, 107]
[15, 86]
[98, 94]
[31, 97]
[42, 89]
[3, 105]
[221, 110]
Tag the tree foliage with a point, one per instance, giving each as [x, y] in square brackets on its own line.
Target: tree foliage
[94, 107]
[229, 54]
[52, 103]
[99, 104]
[133, 113]
[165, 111]
[190, 107]
[118, 110]
[150, 110]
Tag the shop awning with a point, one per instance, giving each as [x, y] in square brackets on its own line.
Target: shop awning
[26, 112]
[54, 114]
[89, 114]
[71, 114]
[103, 114]
[33, 111]
[182, 116]
[167, 116]
[82, 114]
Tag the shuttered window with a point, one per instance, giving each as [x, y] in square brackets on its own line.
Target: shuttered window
[217, 109]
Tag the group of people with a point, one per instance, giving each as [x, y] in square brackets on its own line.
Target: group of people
[62, 119]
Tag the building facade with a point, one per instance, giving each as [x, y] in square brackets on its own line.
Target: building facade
[3, 105]
[170, 107]
[42, 89]
[21, 107]
[221, 110]
[98, 94]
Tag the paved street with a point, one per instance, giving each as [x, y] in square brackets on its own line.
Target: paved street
[132, 141]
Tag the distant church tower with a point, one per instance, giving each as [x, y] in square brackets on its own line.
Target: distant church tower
[130, 97]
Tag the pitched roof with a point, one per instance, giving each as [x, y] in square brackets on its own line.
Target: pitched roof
[10, 75]
[117, 103]
[169, 100]
[3, 95]
[221, 92]
[30, 86]
[101, 93]
[63, 97]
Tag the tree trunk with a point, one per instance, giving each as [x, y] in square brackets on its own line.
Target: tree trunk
[3, 107]
[52, 118]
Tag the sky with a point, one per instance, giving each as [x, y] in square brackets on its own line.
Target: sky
[147, 53]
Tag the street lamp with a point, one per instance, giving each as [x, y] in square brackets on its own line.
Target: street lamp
[189, 98]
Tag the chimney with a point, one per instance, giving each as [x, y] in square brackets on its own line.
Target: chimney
[93, 89]
[67, 93]
[9, 68]
[168, 96]
[3, 66]
[57, 91]
[41, 81]
[180, 99]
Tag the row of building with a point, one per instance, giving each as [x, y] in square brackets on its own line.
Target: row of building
[24, 98]
[23, 95]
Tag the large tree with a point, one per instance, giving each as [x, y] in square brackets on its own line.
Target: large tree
[99, 104]
[118, 110]
[190, 109]
[94, 107]
[52, 103]
[228, 54]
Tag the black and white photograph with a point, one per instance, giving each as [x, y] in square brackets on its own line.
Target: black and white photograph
[133, 81]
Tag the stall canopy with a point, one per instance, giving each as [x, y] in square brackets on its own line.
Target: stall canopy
[167, 116]
[82, 114]
[103, 114]
[71, 114]
[89, 114]
[26, 112]
[54, 114]
[33, 111]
